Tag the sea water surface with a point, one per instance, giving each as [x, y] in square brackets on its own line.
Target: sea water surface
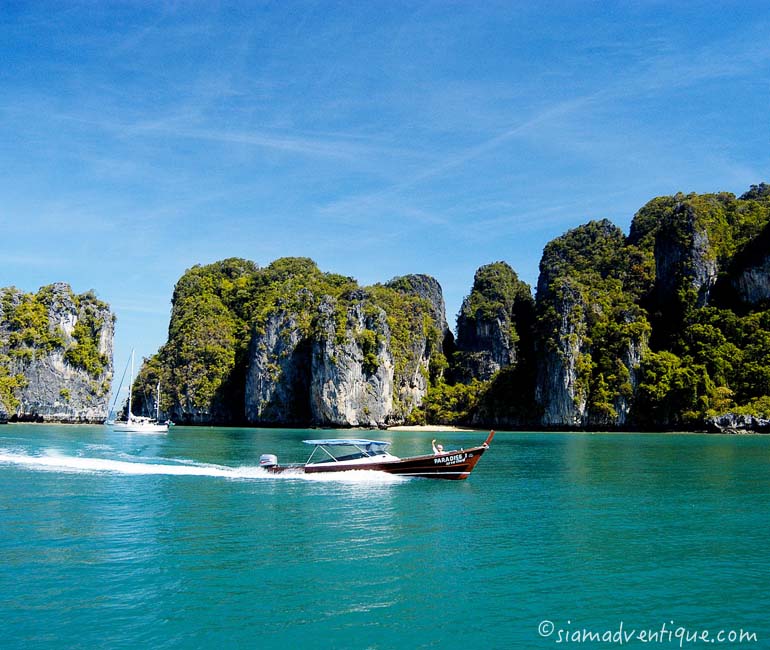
[114, 540]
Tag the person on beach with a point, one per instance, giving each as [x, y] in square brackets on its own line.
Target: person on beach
[437, 448]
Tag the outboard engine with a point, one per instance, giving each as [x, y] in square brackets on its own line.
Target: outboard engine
[268, 460]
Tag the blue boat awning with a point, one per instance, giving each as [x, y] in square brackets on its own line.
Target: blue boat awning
[338, 442]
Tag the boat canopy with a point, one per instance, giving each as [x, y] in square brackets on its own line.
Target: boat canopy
[363, 449]
[355, 442]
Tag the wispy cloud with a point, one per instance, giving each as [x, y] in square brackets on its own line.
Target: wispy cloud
[191, 125]
[143, 139]
[358, 203]
[33, 260]
[669, 68]
[325, 147]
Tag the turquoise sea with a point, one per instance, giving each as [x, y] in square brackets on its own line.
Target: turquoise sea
[112, 540]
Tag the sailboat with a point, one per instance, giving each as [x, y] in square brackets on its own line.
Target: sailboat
[139, 423]
[111, 413]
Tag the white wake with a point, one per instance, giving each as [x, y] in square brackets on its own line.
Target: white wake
[51, 460]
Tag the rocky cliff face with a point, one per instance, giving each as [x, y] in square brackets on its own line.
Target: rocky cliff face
[428, 289]
[344, 366]
[493, 318]
[279, 372]
[338, 374]
[664, 328]
[737, 424]
[591, 333]
[485, 345]
[753, 284]
[424, 342]
[631, 359]
[489, 375]
[748, 280]
[289, 344]
[571, 387]
[562, 387]
[352, 379]
[684, 256]
[55, 355]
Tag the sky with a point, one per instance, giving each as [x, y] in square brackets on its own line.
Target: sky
[379, 138]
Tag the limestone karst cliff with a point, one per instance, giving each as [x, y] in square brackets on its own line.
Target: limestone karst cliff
[339, 370]
[277, 379]
[352, 368]
[489, 380]
[666, 327]
[289, 344]
[643, 331]
[497, 309]
[55, 355]
[590, 331]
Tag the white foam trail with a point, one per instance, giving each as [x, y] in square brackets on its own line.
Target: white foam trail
[53, 461]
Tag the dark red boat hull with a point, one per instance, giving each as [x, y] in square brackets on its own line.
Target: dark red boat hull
[450, 465]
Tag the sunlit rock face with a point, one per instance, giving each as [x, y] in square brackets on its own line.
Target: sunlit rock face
[57, 347]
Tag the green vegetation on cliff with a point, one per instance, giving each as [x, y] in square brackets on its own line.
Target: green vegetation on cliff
[28, 327]
[496, 291]
[9, 386]
[410, 322]
[490, 377]
[84, 353]
[207, 333]
[218, 308]
[588, 314]
[708, 358]
[450, 403]
[660, 329]
[646, 322]
[720, 364]
[53, 321]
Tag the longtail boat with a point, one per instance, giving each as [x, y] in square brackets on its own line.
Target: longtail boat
[346, 454]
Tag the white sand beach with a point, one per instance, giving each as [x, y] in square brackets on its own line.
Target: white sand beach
[429, 427]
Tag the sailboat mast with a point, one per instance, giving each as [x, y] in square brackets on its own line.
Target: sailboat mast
[130, 387]
[157, 405]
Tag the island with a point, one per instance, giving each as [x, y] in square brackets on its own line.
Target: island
[665, 328]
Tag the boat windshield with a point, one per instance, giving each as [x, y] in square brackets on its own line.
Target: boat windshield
[338, 450]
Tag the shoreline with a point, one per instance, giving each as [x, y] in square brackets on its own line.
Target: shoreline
[425, 428]
[435, 428]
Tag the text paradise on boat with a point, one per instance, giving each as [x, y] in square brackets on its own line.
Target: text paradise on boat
[346, 454]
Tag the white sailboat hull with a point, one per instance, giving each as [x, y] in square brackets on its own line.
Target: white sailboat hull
[140, 427]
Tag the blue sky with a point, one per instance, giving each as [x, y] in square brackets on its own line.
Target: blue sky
[378, 138]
